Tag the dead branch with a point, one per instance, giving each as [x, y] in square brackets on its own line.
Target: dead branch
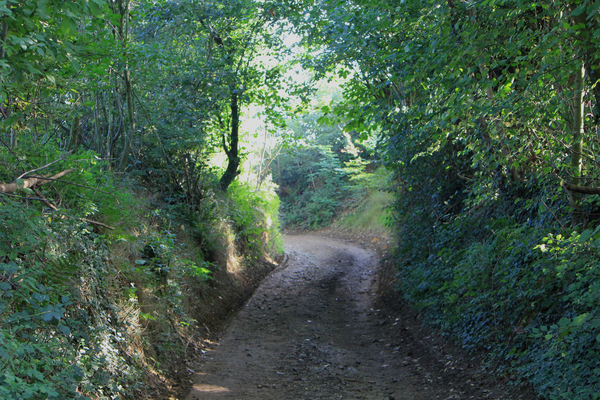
[84, 186]
[45, 200]
[31, 182]
[22, 197]
[89, 221]
[37, 169]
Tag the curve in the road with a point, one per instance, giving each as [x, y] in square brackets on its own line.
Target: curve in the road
[309, 333]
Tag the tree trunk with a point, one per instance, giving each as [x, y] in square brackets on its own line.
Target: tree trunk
[97, 140]
[131, 117]
[578, 126]
[3, 37]
[233, 159]
[577, 144]
[124, 33]
[74, 135]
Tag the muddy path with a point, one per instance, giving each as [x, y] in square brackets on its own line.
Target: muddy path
[311, 332]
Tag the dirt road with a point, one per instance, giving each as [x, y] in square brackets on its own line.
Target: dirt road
[311, 332]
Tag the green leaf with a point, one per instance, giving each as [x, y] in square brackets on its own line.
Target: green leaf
[40, 297]
[67, 25]
[580, 319]
[323, 120]
[96, 9]
[564, 322]
[41, 9]
[585, 235]
[579, 10]
[78, 373]
[65, 330]
[75, 64]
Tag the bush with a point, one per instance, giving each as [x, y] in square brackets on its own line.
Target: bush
[61, 337]
[255, 217]
[506, 286]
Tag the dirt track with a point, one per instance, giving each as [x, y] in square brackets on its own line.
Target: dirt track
[311, 332]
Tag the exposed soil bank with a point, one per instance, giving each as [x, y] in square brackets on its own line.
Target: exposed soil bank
[311, 331]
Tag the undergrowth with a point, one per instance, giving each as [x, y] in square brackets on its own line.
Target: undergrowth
[501, 271]
[370, 212]
[102, 293]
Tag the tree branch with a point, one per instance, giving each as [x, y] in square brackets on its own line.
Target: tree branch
[581, 189]
[31, 182]
[37, 169]
[89, 221]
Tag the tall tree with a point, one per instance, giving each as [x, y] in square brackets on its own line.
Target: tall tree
[213, 71]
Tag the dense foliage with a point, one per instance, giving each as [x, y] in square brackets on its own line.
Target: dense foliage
[118, 236]
[486, 112]
[311, 178]
[489, 112]
[323, 171]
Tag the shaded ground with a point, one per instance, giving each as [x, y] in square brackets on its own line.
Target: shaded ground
[312, 331]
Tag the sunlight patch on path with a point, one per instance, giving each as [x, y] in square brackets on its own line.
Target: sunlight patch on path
[206, 388]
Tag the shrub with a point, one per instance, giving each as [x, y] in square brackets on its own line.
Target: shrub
[505, 286]
[61, 337]
[255, 217]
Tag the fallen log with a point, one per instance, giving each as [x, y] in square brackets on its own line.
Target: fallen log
[31, 182]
